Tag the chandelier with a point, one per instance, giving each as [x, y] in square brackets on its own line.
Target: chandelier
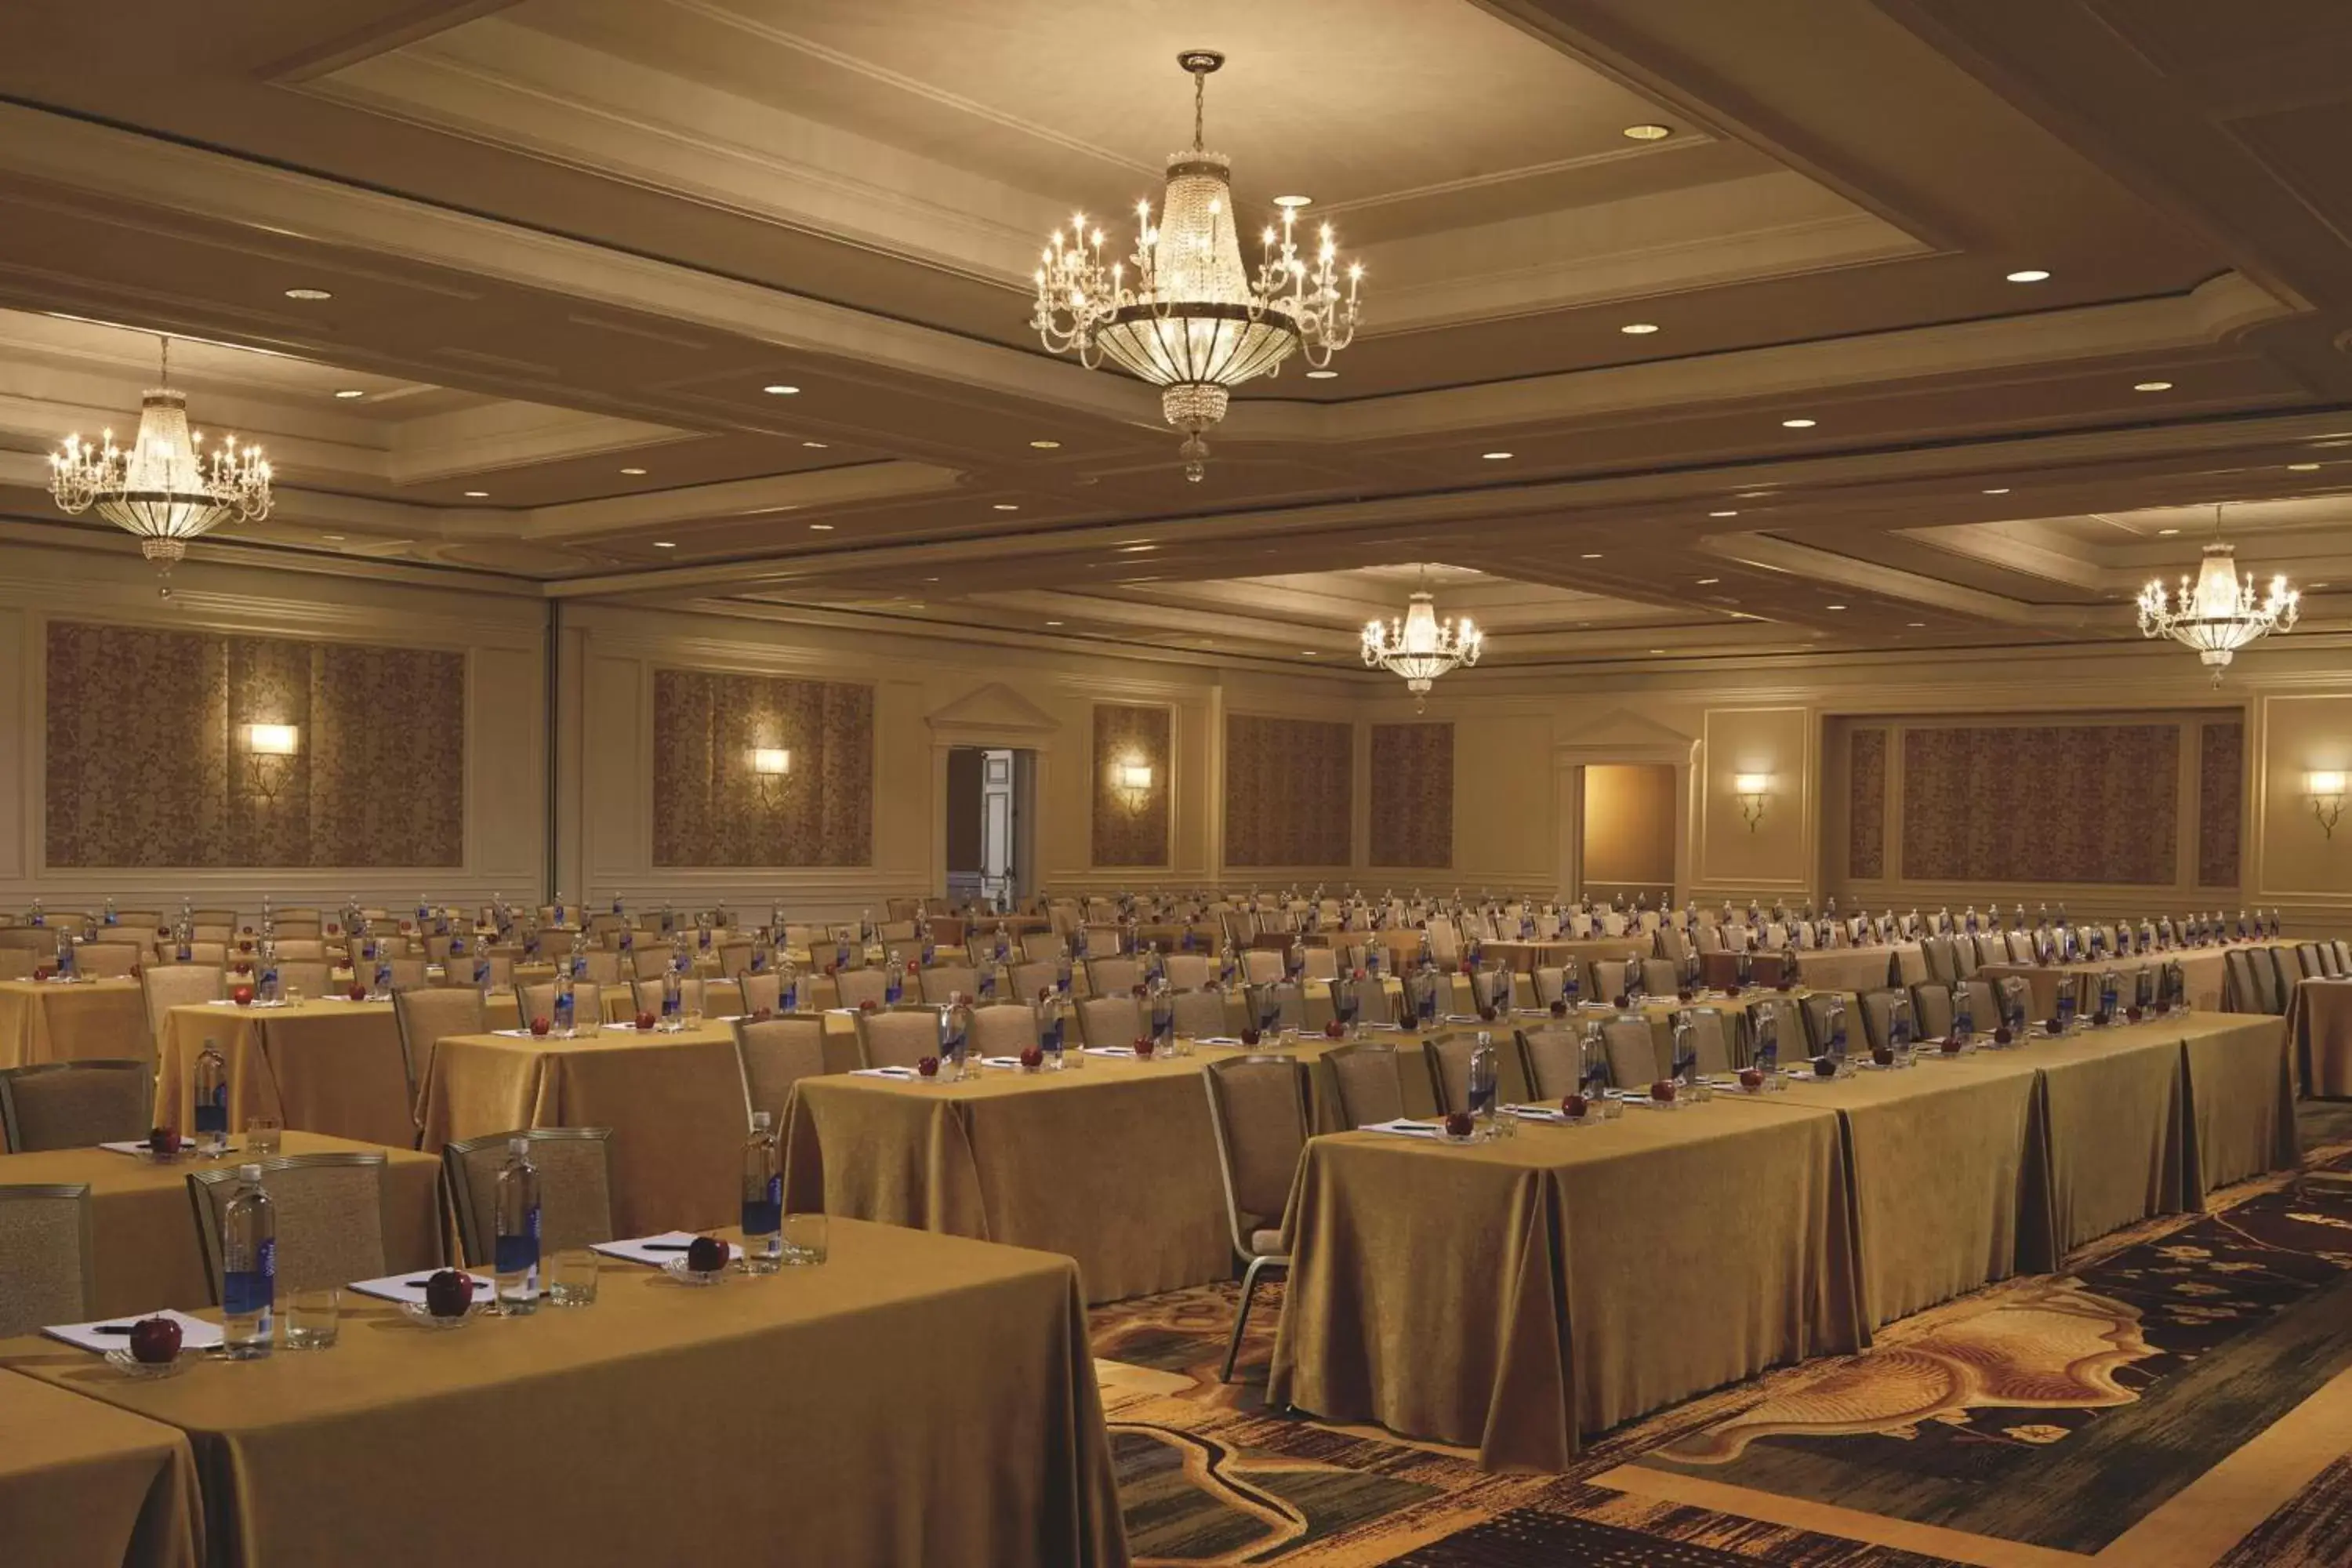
[2219, 615]
[1421, 647]
[1191, 319]
[163, 487]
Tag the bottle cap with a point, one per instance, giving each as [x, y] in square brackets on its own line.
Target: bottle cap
[248, 1174]
[518, 1147]
[760, 1121]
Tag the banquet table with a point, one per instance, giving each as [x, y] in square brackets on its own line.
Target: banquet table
[322, 1063]
[676, 1103]
[1527, 956]
[1855, 968]
[2203, 969]
[914, 1399]
[149, 1255]
[2319, 1022]
[1512, 1295]
[83, 1485]
[45, 1021]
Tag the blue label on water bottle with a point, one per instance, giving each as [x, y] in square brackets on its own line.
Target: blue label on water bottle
[516, 1254]
[212, 1115]
[763, 1217]
[245, 1291]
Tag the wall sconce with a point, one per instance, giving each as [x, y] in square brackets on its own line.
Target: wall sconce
[2326, 793]
[1752, 788]
[270, 750]
[1133, 779]
[771, 766]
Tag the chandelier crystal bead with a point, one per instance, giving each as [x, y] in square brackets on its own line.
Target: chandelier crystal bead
[1183, 312]
[164, 487]
[2220, 613]
[1421, 647]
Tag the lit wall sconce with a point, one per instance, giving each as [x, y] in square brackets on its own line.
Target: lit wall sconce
[270, 750]
[1752, 788]
[771, 766]
[2326, 793]
[1133, 779]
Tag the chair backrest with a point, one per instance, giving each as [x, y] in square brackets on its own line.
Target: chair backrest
[329, 1214]
[1878, 1014]
[857, 987]
[169, 986]
[1710, 1037]
[1109, 1020]
[1041, 947]
[1038, 974]
[1286, 998]
[48, 1256]
[308, 950]
[898, 1036]
[1366, 1076]
[430, 1016]
[1633, 1047]
[1609, 978]
[1932, 1005]
[2308, 955]
[2246, 991]
[1447, 1057]
[1201, 1012]
[943, 982]
[76, 1104]
[1371, 999]
[1550, 984]
[1661, 976]
[1552, 1058]
[1319, 964]
[1258, 1108]
[109, 960]
[1943, 958]
[310, 977]
[2343, 950]
[1262, 965]
[762, 990]
[576, 1188]
[1004, 1028]
[776, 1054]
[1190, 970]
[1106, 977]
[1821, 1011]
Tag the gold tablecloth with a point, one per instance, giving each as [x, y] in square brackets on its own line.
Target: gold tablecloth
[1512, 1295]
[149, 1255]
[1848, 968]
[2321, 1021]
[2241, 1099]
[47, 1021]
[919, 1399]
[332, 1067]
[1529, 956]
[675, 1103]
[1113, 1165]
[2204, 970]
[83, 1485]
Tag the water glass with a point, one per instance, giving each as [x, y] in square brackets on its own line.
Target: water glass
[804, 1240]
[310, 1318]
[263, 1134]
[572, 1277]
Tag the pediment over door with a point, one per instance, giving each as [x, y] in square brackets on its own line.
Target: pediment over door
[991, 715]
[1622, 735]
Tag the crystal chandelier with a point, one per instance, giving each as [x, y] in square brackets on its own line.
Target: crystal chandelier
[1421, 647]
[2219, 615]
[1191, 319]
[163, 487]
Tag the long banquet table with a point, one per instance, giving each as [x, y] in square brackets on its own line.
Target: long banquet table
[2319, 1021]
[323, 1065]
[45, 1021]
[83, 1485]
[916, 1399]
[149, 1256]
[2205, 971]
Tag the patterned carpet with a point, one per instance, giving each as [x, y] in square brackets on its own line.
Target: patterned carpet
[2181, 1398]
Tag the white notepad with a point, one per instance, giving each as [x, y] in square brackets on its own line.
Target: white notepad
[411, 1287]
[114, 1334]
[656, 1250]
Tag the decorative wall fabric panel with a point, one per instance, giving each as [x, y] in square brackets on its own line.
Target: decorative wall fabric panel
[2220, 799]
[2076, 802]
[1130, 826]
[1865, 856]
[1289, 791]
[710, 808]
[1413, 795]
[148, 765]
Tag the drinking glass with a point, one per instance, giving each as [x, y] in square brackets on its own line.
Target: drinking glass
[310, 1318]
[804, 1239]
[572, 1277]
[263, 1135]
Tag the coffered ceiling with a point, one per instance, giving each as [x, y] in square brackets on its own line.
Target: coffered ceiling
[724, 302]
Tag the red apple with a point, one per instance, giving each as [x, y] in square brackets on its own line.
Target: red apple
[1574, 1106]
[1663, 1091]
[2002, 1036]
[243, 946]
[137, 969]
[1336, 1029]
[449, 1293]
[163, 1140]
[762, 1014]
[1250, 1037]
[1786, 982]
[358, 993]
[869, 1005]
[1731, 988]
[1559, 1007]
[929, 1067]
[1143, 1047]
[163, 930]
[647, 1020]
[1033, 1057]
[1751, 1078]
[833, 969]
[154, 1342]
[241, 967]
[542, 1023]
[242, 995]
[1883, 1055]
[1623, 999]
[2053, 1024]
[705, 1254]
[1825, 1065]
[2163, 1005]
[1459, 1125]
[2133, 1015]
[1953, 1044]
[1684, 994]
[42, 971]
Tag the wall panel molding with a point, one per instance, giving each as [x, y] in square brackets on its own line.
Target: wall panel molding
[1411, 768]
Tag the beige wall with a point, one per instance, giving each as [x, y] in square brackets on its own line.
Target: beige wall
[1629, 825]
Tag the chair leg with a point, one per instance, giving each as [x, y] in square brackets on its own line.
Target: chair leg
[1241, 1318]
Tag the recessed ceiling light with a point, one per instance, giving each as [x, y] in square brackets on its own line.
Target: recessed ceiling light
[1723, 514]
[1998, 491]
[930, 579]
[2030, 275]
[1798, 424]
[1708, 582]
[1322, 375]
[332, 538]
[477, 495]
[1753, 495]
[2152, 386]
[780, 390]
[820, 528]
[813, 445]
[308, 294]
[1638, 329]
[1137, 549]
[1833, 606]
[1007, 506]
[1915, 623]
[349, 391]
[2323, 585]
[634, 473]
[2167, 531]
[1496, 457]
[664, 545]
[1590, 555]
[1648, 133]
[2303, 467]
[1046, 446]
[1658, 650]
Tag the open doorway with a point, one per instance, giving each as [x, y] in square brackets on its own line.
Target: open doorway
[1628, 832]
[992, 794]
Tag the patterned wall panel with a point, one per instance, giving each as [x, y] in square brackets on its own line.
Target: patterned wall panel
[1130, 829]
[147, 763]
[1289, 791]
[1413, 795]
[2077, 803]
[708, 804]
[1865, 853]
[2221, 798]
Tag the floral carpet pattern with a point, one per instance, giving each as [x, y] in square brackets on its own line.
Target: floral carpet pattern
[2037, 1421]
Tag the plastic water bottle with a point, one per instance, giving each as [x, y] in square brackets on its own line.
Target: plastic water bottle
[1837, 1027]
[272, 991]
[763, 1199]
[1964, 1022]
[893, 988]
[212, 1099]
[788, 986]
[565, 1004]
[673, 1000]
[482, 973]
[955, 1038]
[383, 979]
[2065, 1003]
[1482, 1084]
[110, 916]
[37, 917]
[1063, 972]
[248, 1268]
[515, 1254]
[1049, 1029]
[2110, 990]
[64, 955]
